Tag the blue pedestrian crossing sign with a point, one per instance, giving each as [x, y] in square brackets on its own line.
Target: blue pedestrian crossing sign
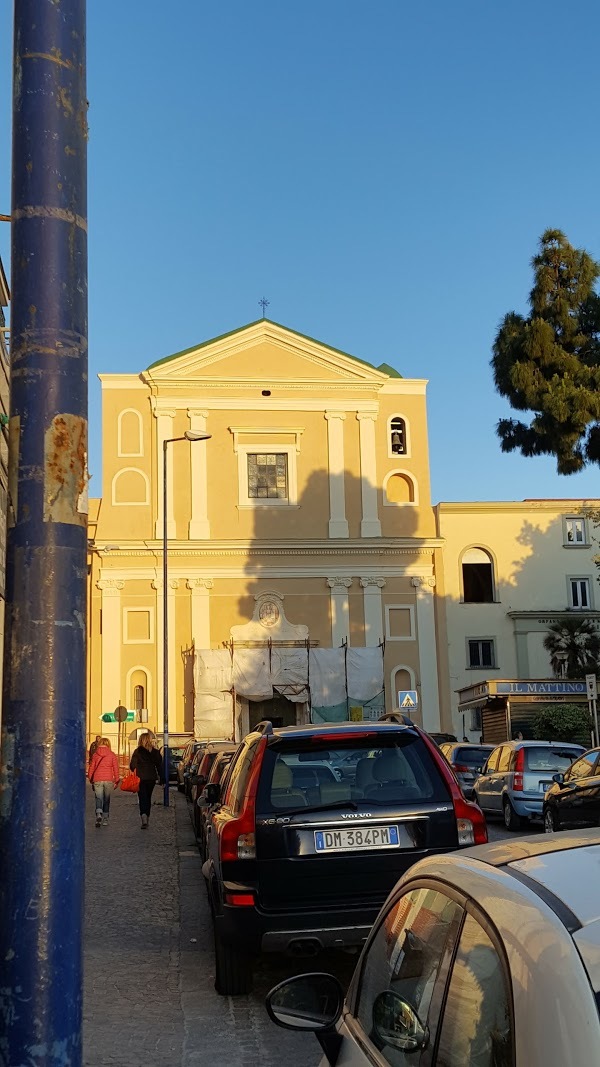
[408, 698]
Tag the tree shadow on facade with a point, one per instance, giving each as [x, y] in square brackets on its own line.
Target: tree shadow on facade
[337, 587]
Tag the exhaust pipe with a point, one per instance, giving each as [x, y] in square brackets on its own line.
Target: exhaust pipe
[304, 946]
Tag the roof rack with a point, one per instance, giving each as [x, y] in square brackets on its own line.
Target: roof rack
[264, 727]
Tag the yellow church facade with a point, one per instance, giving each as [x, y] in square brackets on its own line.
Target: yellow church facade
[301, 539]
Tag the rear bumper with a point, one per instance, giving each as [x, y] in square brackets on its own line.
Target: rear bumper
[254, 930]
[528, 806]
[339, 937]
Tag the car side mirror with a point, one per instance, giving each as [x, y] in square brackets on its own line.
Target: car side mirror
[306, 1002]
[559, 778]
[397, 1025]
[212, 793]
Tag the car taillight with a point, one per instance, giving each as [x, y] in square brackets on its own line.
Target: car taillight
[518, 770]
[238, 840]
[240, 900]
[470, 820]
[461, 768]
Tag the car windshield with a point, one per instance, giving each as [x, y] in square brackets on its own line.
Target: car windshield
[310, 774]
[553, 758]
[472, 756]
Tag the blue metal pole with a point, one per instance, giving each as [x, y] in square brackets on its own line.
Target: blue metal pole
[42, 781]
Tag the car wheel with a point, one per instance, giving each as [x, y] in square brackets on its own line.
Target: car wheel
[233, 970]
[550, 823]
[512, 821]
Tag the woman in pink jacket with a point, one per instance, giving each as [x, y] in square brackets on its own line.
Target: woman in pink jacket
[103, 773]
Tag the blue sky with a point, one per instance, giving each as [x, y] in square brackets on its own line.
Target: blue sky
[380, 171]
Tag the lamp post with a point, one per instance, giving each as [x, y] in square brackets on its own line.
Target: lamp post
[189, 435]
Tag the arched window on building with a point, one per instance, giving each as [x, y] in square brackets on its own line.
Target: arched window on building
[398, 445]
[138, 692]
[130, 433]
[399, 487]
[130, 486]
[477, 577]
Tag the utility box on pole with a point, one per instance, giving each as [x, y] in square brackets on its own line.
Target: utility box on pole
[42, 780]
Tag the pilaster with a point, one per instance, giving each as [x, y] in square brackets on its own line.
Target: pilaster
[370, 524]
[200, 588]
[111, 694]
[340, 610]
[373, 610]
[429, 692]
[199, 528]
[338, 523]
[164, 431]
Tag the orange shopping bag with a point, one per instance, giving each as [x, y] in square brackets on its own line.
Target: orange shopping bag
[130, 783]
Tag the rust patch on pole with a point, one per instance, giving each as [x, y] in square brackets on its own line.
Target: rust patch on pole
[65, 474]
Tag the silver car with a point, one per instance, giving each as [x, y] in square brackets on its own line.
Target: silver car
[518, 774]
[484, 958]
[467, 761]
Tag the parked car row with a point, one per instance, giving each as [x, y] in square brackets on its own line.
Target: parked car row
[305, 830]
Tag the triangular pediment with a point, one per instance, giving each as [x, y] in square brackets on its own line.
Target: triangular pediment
[267, 352]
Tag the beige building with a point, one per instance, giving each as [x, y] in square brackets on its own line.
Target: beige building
[308, 574]
[301, 538]
[509, 571]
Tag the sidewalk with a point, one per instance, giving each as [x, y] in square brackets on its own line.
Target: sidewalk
[132, 1006]
[149, 998]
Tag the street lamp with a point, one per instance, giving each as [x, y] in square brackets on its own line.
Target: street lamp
[189, 435]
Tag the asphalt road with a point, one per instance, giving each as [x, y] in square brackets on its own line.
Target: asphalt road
[496, 831]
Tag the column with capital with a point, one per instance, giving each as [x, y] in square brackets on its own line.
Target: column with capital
[370, 524]
[429, 692]
[340, 610]
[199, 529]
[373, 610]
[338, 523]
[164, 432]
[111, 694]
[200, 588]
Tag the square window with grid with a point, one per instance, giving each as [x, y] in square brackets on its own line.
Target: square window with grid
[575, 533]
[268, 476]
[481, 653]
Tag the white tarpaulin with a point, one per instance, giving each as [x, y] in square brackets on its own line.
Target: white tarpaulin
[213, 715]
[256, 672]
[327, 677]
[365, 673]
[213, 670]
[252, 673]
[289, 673]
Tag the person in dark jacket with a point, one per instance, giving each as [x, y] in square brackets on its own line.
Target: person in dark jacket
[148, 765]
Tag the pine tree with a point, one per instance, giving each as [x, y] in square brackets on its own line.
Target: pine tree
[549, 362]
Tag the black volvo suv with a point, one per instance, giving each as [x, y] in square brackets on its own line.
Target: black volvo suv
[314, 827]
